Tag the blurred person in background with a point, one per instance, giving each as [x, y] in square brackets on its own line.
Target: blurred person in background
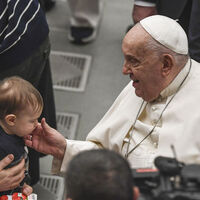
[84, 20]
[186, 12]
[24, 51]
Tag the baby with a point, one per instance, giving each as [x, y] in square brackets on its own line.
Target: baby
[20, 107]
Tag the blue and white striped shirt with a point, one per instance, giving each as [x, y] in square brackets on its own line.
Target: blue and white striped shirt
[23, 28]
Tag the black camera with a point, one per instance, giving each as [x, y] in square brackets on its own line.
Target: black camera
[172, 180]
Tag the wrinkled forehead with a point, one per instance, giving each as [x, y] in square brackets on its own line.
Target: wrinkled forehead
[135, 39]
[136, 34]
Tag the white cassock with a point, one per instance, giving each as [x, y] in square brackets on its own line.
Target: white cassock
[179, 125]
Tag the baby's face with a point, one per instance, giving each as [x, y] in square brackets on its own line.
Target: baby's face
[26, 122]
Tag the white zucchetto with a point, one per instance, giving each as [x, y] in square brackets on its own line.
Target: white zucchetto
[167, 32]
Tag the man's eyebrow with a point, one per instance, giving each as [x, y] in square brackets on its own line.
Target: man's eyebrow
[130, 57]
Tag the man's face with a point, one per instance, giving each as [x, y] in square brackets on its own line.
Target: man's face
[142, 65]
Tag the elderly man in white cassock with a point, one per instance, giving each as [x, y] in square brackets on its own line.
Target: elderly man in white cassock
[158, 109]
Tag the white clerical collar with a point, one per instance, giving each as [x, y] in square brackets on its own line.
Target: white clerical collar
[173, 86]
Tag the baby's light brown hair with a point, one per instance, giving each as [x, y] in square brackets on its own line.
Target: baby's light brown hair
[16, 94]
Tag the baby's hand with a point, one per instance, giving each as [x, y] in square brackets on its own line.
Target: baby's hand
[27, 190]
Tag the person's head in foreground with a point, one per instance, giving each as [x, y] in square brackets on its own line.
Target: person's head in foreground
[155, 51]
[20, 106]
[99, 175]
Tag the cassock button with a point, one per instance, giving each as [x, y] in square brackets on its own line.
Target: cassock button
[155, 144]
[154, 108]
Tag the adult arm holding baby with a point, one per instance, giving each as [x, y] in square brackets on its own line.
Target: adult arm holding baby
[10, 178]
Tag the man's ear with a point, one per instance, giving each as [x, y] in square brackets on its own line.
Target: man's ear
[10, 119]
[136, 193]
[168, 63]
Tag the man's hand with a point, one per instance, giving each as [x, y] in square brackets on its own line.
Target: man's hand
[47, 140]
[140, 12]
[10, 178]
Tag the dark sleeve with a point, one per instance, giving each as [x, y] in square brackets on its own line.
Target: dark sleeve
[150, 1]
[42, 4]
[194, 31]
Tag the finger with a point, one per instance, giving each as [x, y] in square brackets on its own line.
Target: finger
[28, 143]
[6, 161]
[17, 178]
[28, 137]
[37, 130]
[13, 186]
[17, 169]
[45, 126]
[27, 190]
[15, 183]
[28, 140]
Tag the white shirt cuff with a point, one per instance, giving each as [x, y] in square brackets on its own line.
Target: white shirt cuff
[73, 147]
[144, 3]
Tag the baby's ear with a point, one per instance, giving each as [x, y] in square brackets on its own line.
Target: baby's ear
[10, 119]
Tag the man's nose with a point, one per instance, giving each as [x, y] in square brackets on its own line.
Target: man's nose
[126, 69]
